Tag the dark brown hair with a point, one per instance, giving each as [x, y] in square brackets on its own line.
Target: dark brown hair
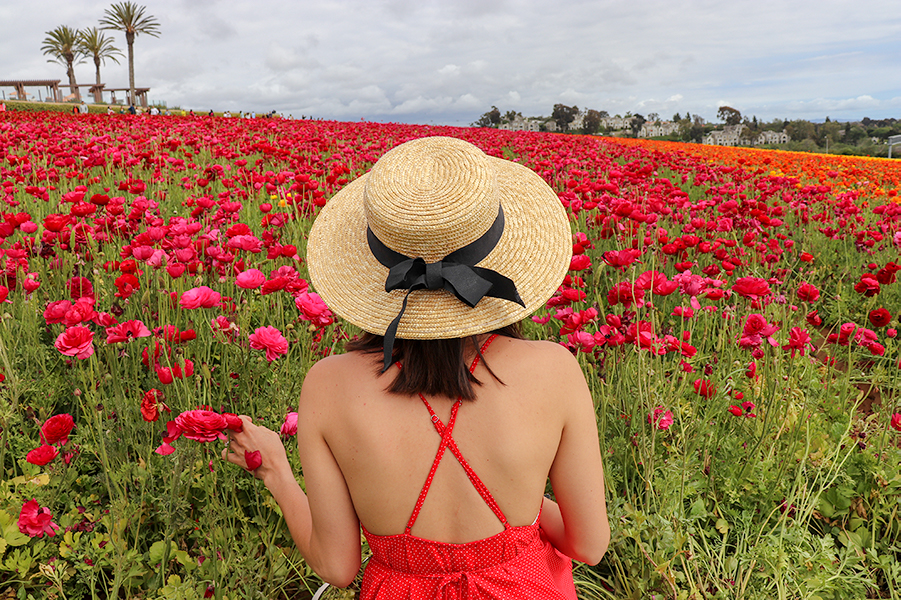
[431, 367]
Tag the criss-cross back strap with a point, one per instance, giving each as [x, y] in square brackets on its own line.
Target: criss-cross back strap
[447, 441]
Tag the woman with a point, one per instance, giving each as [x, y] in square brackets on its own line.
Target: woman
[438, 430]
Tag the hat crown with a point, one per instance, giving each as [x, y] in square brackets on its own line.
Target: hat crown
[431, 196]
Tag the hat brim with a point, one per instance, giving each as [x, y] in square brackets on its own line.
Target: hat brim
[534, 251]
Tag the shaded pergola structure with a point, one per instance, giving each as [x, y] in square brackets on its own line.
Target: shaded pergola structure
[54, 94]
[52, 86]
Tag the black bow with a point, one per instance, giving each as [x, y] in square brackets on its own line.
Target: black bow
[455, 273]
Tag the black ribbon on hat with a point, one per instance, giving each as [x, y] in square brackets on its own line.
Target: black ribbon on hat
[455, 273]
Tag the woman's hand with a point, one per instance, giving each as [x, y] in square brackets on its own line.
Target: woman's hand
[243, 445]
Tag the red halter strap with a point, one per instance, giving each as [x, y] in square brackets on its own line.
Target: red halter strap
[447, 441]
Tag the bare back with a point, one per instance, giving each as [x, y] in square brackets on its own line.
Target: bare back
[384, 444]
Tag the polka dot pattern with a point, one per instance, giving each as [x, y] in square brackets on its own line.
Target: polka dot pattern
[517, 563]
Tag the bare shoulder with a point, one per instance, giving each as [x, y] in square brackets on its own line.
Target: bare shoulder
[545, 358]
[335, 376]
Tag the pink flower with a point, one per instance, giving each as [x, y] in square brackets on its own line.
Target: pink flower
[580, 262]
[289, 427]
[660, 418]
[798, 341]
[271, 340]
[127, 331]
[313, 309]
[42, 455]
[199, 297]
[250, 279]
[35, 520]
[76, 341]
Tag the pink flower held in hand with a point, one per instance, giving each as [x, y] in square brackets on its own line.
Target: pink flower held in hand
[201, 425]
[35, 521]
[660, 418]
[76, 341]
[269, 339]
[253, 459]
[289, 427]
[199, 297]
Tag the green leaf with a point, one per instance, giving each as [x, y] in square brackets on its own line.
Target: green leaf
[158, 549]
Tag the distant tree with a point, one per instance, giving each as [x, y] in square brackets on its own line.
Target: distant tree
[729, 115]
[96, 45]
[677, 117]
[653, 117]
[510, 115]
[604, 114]
[637, 122]
[492, 118]
[801, 130]
[63, 45]
[564, 115]
[129, 18]
[592, 122]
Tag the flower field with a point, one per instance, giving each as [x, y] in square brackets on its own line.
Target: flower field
[735, 312]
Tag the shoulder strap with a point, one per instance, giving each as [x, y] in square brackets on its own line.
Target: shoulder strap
[447, 441]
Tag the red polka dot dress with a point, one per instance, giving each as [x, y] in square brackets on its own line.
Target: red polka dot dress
[517, 563]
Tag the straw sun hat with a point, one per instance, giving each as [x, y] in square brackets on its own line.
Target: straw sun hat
[422, 203]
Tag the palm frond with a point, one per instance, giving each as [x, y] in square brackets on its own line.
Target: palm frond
[128, 17]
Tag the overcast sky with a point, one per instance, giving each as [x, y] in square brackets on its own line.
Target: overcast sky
[449, 61]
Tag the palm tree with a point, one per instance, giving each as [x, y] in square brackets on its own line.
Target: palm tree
[129, 17]
[62, 44]
[95, 44]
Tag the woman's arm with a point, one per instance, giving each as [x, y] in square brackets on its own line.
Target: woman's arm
[577, 523]
[322, 522]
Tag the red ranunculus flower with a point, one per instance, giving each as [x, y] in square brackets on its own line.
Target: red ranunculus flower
[201, 425]
[250, 279]
[313, 309]
[42, 455]
[880, 317]
[151, 403]
[751, 287]
[57, 428]
[808, 292]
[896, 421]
[867, 286]
[704, 388]
[35, 521]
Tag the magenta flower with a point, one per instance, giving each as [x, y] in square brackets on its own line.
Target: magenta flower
[313, 309]
[250, 279]
[289, 427]
[76, 341]
[798, 341]
[660, 418]
[127, 331]
[35, 521]
[271, 340]
[199, 297]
